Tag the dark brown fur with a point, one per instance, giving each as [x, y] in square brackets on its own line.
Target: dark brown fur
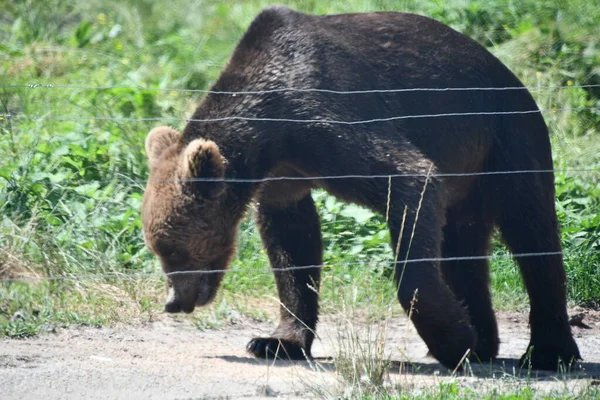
[192, 225]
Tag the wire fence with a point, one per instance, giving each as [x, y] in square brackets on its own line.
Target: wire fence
[346, 176]
[301, 178]
[293, 120]
[116, 275]
[320, 177]
[305, 90]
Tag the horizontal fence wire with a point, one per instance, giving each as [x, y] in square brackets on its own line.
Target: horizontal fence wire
[67, 183]
[290, 120]
[292, 89]
[317, 177]
[117, 275]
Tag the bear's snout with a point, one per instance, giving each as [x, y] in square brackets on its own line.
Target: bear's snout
[182, 296]
[173, 306]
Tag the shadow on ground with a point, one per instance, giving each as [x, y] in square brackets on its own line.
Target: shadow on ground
[499, 368]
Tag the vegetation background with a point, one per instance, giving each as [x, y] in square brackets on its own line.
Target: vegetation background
[70, 190]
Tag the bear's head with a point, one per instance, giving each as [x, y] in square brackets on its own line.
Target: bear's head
[183, 217]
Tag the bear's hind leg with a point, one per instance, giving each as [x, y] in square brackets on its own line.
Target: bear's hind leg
[529, 226]
[467, 234]
[291, 235]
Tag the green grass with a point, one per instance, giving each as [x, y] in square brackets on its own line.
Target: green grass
[69, 189]
[453, 390]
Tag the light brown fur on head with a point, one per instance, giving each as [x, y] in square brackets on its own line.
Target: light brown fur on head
[182, 219]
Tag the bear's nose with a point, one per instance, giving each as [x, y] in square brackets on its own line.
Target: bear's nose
[172, 307]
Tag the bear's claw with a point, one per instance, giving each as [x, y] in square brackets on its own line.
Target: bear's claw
[549, 359]
[272, 348]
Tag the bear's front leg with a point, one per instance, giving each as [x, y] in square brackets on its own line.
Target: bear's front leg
[415, 220]
[291, 235]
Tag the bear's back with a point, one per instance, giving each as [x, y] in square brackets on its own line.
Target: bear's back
[407, 68]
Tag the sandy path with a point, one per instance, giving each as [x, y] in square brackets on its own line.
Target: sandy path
[170, 359]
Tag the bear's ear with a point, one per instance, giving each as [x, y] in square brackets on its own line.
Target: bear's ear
[159, 139]
[202, 161]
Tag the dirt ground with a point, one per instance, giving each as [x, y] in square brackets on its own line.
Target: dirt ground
[171, 359]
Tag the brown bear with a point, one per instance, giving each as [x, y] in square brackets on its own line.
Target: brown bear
[295, 120]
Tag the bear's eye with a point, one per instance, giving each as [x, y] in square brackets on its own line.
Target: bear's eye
[172, 255]
[176, 257]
